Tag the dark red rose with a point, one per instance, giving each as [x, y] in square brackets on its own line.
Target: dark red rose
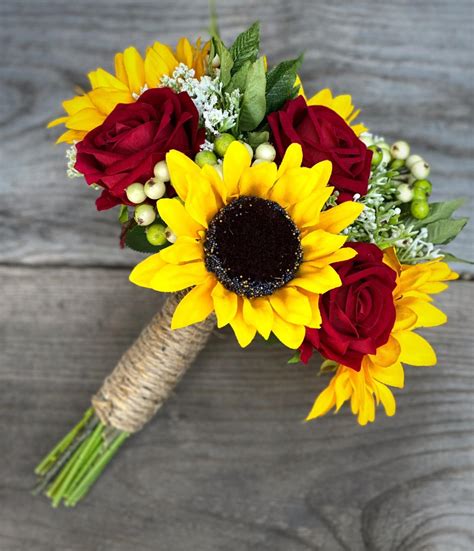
[133, 138]
[358, 317]
[323, 135]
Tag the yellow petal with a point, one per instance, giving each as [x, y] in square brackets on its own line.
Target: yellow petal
[86, 120]
[257, 180]
[155, 68]
[387, 354]
[289, 334]
[102, 79]
[244, 331]
[174, 214]
[316, 280]
[258, 312]
[120, 71]
[201, 203]
[292, 159]
[406, 318]
[292, 305]
[337, 218]
[173, 278]
[225, 304]
[392, 375]
[315, 321]
[415, 350]
[344, 253]
[196, 306]
[184, 52]
[306, 213]
[387, 399]
[324, 402]
[319, 243]
[186, 249]
[134, 68]
[236, 160]
[216, 182]
[165, 53]
[181, 168]
[106, 99]
[76, 104]
[144, 272]
[428, 315]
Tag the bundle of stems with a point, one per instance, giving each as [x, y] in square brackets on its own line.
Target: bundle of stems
[138, 386]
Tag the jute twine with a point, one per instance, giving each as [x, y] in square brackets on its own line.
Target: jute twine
[150, 369]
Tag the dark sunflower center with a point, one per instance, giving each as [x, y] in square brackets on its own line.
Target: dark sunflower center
[253, 247]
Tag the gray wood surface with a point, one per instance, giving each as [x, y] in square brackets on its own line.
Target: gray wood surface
[227, 464]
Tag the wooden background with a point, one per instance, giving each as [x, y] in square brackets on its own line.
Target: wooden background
[228, 464]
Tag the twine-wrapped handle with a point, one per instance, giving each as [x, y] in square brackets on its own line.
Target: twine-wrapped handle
[150, 369]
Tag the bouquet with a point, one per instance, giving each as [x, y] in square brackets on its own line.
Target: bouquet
[259, 207]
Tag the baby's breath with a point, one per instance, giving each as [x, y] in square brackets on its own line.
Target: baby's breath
[218, 110]
[71, 154]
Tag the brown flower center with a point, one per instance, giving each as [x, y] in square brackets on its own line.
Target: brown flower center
[253, 247]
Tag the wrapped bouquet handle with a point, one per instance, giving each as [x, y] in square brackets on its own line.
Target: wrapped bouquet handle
[149, 370]
[129, 397]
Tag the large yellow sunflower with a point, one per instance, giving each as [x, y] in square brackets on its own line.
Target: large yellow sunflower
[254, 245]
[368, 387]
[342, 105]
[133, 74]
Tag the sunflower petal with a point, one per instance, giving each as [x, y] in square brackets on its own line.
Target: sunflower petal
[415, 350]
[316, 280]
[244, 331]
[258, 312]
[186, 249]
[173, 278]
[181, 170]
[292, 159]
[225, 304]
[196, 306]
[292, 305]
[257, 180]
[134, 67]
[236, 160]
[323, 403]
[144, 272]
[290, 334]
[335, 219]
[174, 214]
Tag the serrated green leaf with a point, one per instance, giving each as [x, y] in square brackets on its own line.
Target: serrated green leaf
[123, 214]
[438, 211]
[448, 257]
[254, 139]
[280, 85]
[253, 107]
[226, 61]
[444, 231]
[246, 46]
[239, 79]
[136, 240]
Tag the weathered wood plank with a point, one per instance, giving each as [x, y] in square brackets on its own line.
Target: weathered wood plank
[408, 65]
[227, 464]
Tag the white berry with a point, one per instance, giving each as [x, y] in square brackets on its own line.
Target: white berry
[155, 189]
[161, 171]
[170, 235]
[144, 215]
[420, 170]
[135, 193]
[265, 152]
[412, 159]
[404, 193]
[400, 150]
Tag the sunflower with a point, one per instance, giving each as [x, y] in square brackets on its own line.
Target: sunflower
[370, 386]
[254, 245]
[342, 105]
[133, 75]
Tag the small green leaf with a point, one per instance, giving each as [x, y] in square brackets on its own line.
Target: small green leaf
[444, 231]
[328, 366]
[295, 359]
[246, 46]
[123, 214]
[254, 139]
[135, 239]
[438, 211]
[253, 103]
[280, 85]
[448, 257]
[226, 61]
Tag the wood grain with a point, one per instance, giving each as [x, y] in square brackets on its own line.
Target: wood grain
[408, 65]
[227, 464]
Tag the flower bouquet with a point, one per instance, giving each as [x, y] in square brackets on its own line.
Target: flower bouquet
[258, 207]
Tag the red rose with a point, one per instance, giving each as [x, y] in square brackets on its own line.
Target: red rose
[358, 317]
[323, 135]
[133, 138]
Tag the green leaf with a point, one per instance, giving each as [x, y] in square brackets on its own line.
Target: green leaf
[444, 231]
[438, 211]
[448, 257]
[254, 139]
[123, 214]
[135, 239]
[253, 102]
[295, 359]
[246, 46]
[280, 85]
[328, 366]
[239, 79]
[226, 61]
